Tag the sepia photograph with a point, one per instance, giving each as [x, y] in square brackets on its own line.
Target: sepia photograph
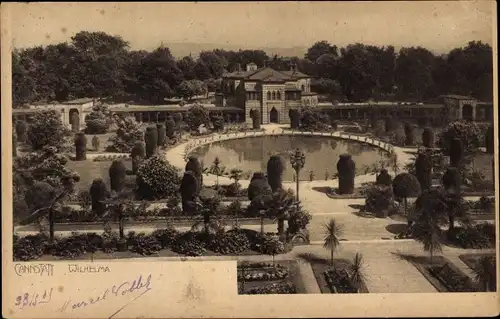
[322, 147]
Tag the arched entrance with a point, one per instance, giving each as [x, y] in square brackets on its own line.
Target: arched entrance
[273, 115]
[467, 112]
[74, 120]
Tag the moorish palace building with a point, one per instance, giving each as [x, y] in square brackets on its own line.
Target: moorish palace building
[272, 92]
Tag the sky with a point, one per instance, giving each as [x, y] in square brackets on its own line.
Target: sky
[436, 25]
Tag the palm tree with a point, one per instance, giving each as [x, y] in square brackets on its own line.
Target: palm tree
[333, 231]
[357, 275]
[485, 273]
[279, 207]
[428, 233]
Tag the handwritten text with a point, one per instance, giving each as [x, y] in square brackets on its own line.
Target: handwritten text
[33, 299]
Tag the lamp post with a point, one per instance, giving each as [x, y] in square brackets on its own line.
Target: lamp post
[297, 159]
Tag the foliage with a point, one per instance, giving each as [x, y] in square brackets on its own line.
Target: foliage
[98, 193]
[170, 127]
[117, 175]
[127, 134]
[196, 116]
[95, 143]
[347, 172]
[384, 178]
[21, 130]
[151, 139]
[218, 123]
[30, 247]
[255, 115]
[146, 245]
[313, 121]
[160, 128]
[409, 134]
[271, 245]
[98, 120]
[189, 189]
[428, 137]
[190, 88]
[157, 179]
[452, 179]
[46, 129]
[298, 220]
[258, 187]
[81, 146]
[423, 170]
[453, 281]
[229, 243]
[485, 273]
[194, 166]
[166, 237]
[188, 244]
[379, 200]
[138, 153]
[406, 185]
[294, 119]
[467, 132]
[490, 140]
[333, 232]
[456, 152]
[275, 170]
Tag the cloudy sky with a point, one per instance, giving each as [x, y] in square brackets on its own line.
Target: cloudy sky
[438, 26]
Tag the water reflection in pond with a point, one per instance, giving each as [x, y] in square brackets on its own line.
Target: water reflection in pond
[250, 154]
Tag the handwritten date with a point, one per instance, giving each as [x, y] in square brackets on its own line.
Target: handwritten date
[33, 299]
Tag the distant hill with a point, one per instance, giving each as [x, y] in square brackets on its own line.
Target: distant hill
[183, 49]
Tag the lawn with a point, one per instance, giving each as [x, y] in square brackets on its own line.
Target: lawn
[265, 278]
[90, 170]
[442, 274]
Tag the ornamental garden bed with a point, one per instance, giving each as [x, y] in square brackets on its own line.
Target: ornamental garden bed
[333, 278]
[472, 259]
[442, 274]
[359, 192]
[89, 170]
[162, 242]
[282, 277]
[478, 236]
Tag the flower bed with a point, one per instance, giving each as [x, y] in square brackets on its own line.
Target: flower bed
[338, 281]
[108, 158]
[274, 288]
[473, 237]
[453, 280]
[262, 275]
[334, 279]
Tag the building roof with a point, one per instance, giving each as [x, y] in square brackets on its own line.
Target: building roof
[266, 74]
[458, 97]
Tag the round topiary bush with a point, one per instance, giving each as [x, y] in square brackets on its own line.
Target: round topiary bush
[405, 185]
[117, 175]
[384, 178]
[423, 170]
[160, 128]
[379, 200]
[98, 193]
[189, 189]
[258, 186]
[194, 166]
[80, 146]
[275, 170]
[157, 179]
[151, 139]
[346, 169]
[428, 137]
[138, 153]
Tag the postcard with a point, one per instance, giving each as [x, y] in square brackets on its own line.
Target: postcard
[249, 159]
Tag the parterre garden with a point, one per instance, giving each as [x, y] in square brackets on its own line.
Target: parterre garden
[47, 180]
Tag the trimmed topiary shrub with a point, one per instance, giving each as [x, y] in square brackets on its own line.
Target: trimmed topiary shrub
[379, 200]
[490, 140]
[170, 127]
[157, 179]
[405, 185]
[117, 175]
[256, 119]
[428, 137]
[197, 115]
[21, 131]
[151, 139]
[452, 179]
[95, 143]
[346, 169]
[218, 123]
[389, 124]
[384, 178]
[138, 154]
[423, 170]
[160, 128]
[189, 189]
[98, 120]
[46, 129]
[275, 170]
[456, 152]
[294, 119]
[409, 134]
[194, 166]
[80, 146]
[258, 186]
[98, 192]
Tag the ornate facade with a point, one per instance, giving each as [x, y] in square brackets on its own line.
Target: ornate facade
[272, 92]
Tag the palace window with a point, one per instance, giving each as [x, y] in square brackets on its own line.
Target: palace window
[278, 95]
[268, 95]
[274, 96]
